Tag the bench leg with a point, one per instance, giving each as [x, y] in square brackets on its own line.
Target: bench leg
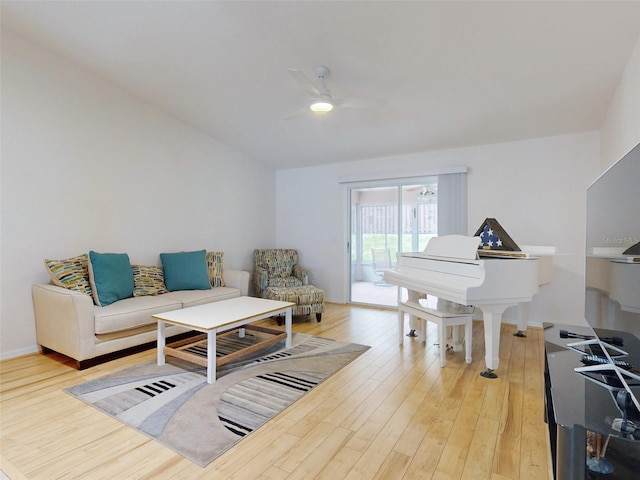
[468, 340]
[318, 317]
[442, 333]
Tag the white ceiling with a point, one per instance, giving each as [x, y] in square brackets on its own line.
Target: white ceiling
[451, 73]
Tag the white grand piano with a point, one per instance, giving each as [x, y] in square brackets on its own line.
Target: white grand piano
[449, 269]
[616, 276]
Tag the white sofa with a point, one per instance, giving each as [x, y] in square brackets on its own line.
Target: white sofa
[69, 322]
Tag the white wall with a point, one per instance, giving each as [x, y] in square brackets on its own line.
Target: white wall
[620, 130]
[534, 188]
[87, 166]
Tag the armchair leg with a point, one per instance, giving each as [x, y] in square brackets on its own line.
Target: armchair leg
[318, 317]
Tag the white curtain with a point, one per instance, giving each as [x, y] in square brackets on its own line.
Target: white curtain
[452, 204]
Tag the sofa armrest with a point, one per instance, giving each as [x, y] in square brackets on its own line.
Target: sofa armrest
[301, 273]
[64, 320]
[238, 279]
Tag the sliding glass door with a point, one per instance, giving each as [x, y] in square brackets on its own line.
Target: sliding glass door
[386, 219]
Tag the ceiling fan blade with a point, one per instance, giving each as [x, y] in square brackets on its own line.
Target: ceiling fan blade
[360, 103]
[297, 113]
[304, 82]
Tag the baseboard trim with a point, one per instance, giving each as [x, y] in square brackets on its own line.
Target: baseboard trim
[20, 352]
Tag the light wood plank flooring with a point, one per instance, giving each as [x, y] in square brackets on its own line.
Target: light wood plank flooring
[393, 413]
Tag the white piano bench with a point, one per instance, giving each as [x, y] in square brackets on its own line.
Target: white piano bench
[443, 320]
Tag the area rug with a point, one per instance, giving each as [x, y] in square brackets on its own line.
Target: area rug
[175, 405]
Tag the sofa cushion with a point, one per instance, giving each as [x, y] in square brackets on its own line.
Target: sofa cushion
[132, 313]
[214, 265]
[191, 298]
[185, 270]
[111, 277]
[148, 280]
[72, 273]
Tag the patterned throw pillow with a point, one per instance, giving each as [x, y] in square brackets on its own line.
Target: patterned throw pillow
[72, 273]
[214, 264]
[148, 280]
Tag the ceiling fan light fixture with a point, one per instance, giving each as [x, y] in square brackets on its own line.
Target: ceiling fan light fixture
[321, 105]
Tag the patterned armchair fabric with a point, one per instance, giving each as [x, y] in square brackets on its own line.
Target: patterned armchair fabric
[277, 268]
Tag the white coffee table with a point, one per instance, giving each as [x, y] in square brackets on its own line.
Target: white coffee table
[216, 317]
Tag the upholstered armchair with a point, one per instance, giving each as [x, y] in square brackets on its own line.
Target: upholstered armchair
[277, 268]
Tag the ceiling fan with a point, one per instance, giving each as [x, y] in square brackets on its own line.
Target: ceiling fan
[322, 101]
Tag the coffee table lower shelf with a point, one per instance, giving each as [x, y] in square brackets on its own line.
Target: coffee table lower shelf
[179, 349]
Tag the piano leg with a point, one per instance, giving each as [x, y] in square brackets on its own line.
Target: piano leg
[401, 326]
[523, 315]
[492, 316]
[415, 324]
[456, 344]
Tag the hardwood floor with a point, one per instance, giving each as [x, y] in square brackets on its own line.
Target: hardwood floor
[393, 413]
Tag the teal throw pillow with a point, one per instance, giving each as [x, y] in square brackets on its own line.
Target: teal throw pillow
[185, 270]
[110, 276]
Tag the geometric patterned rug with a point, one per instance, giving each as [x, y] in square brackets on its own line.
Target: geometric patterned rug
[175, 405]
